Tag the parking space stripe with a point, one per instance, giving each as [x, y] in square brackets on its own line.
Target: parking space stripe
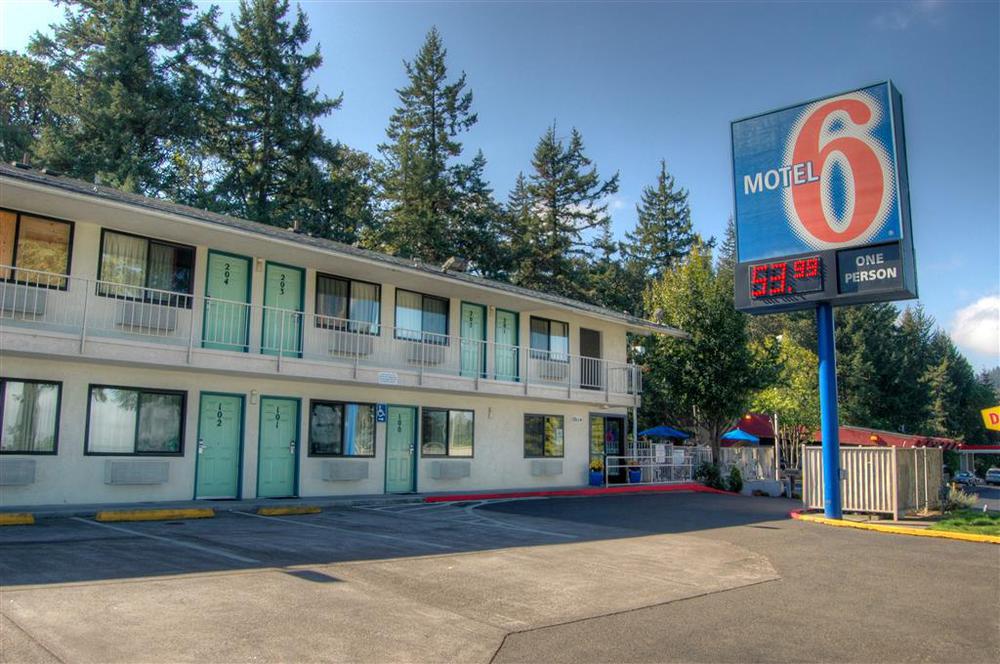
[466, 517]
[175, 542]
[500, 524]
[312, 524]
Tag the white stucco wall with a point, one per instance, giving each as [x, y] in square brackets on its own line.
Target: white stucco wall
[70, 477]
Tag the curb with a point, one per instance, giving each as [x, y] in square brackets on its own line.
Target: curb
[560, 493]
[895, 530]
[154, 515]
[17, 519]
[288, 511]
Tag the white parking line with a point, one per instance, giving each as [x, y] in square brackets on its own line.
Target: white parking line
[308, 524]
[187, 545]
[500, 524]
[466, 517]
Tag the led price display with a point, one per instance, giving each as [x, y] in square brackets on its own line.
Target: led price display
[782, 278]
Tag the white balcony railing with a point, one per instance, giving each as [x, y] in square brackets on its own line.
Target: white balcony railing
[93, 308]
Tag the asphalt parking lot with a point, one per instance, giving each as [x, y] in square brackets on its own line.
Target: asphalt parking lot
[671, 577]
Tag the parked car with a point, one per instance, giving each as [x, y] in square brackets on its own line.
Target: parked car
[966, 477]
[993, 475]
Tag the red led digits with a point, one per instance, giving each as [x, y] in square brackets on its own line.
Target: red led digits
[758, 276]
[777, 278]
[785, 278]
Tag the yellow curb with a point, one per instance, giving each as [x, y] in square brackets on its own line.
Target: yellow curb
[288, 511]
[155, 515]
[17, 519]
[899, 530]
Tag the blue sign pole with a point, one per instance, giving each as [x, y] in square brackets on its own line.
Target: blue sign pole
[828, 411]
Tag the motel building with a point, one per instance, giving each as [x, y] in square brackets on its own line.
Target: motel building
[155, 352]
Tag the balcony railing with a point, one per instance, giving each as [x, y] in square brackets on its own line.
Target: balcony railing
[99, 309]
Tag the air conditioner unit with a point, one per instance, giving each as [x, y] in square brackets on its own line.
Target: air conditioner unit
[425, 354]
[350, 344]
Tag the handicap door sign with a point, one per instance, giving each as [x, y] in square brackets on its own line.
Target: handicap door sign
[381, 412]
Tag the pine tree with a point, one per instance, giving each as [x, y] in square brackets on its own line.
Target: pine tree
[420, 183]
[727, 250]
[479, 227]
[270, 148]
[663, 234]
[133, 69]
[567, 200]
[866, 373]
[32, 100]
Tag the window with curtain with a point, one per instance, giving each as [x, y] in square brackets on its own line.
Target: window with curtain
[34, 244]
[447, 432]
[544, 435]
[421, 317]
[29, 420]
[123, 420]
[343, 304]
[341, 429]
[549, 339]
[139, 268]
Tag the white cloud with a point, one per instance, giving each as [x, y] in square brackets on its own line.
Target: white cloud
[977, 326]
[904, 16]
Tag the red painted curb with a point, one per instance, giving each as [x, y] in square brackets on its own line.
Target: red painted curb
[596, 491]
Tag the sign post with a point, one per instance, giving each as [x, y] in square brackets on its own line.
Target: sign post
[822, 220]
[829, 420]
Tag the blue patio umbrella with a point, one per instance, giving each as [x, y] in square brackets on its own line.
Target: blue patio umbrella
[738, 435]
[663, 431]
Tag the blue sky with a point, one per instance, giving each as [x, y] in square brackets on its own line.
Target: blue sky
[645, 81]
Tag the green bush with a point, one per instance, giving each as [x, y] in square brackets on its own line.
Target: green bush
[735, 482]
[709, 475]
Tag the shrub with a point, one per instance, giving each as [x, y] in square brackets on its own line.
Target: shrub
[597, 465]
[709, 475]
[735, 482]
[956, 499]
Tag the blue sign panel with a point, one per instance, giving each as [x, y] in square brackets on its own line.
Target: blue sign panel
[814, 179]
[381, 412]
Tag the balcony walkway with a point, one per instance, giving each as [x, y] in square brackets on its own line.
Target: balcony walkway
[62, 316]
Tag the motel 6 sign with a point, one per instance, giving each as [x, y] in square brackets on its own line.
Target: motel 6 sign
[822, 204]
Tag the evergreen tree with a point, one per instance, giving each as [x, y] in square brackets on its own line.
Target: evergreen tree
[420, 183]
[910, 398]
[32, 100]
[272, 153]
[480, 223]
[614, 283]
[866, 373]
[727, 250]
[567, 199]
[133, 66]
[663, 234]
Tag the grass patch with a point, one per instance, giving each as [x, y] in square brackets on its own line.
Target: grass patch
[970, 521]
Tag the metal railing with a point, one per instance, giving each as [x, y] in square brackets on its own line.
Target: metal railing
[95, 308]
[661, 464]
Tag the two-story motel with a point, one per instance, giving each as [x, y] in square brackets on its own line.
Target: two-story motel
[151, 351]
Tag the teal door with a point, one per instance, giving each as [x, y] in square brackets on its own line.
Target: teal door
[220, 433]
[279, 445]
[505, 337]
[400, 449]
[473, 330]
[282, 310]
[227, 298]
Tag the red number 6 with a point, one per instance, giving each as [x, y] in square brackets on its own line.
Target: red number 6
[865, 168]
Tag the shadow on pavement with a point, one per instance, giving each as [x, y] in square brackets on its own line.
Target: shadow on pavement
[63, 550]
